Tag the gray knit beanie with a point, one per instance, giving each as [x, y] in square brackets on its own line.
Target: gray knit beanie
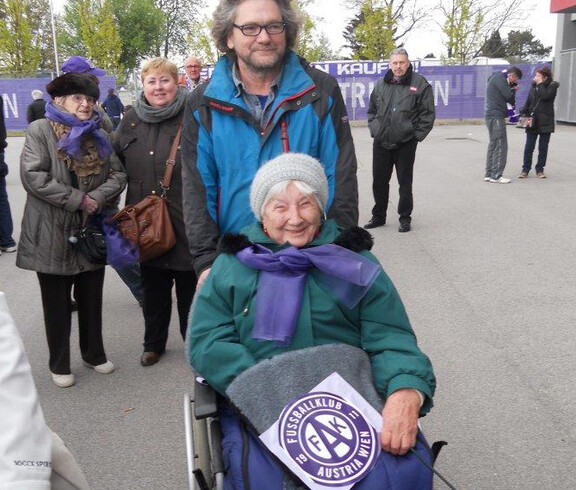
[288, 166]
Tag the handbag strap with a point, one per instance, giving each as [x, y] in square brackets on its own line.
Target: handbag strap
[171, 161]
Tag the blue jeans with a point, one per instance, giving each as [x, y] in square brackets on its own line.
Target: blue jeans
[529, 151]
[6, 225]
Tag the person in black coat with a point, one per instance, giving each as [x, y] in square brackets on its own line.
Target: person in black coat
[37, 108]
[539, 109]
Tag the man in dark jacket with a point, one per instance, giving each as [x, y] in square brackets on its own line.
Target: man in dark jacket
[36, 108]
[500, 91]
[261, 101]
[400, 115]
[7, 243]
[113, 107]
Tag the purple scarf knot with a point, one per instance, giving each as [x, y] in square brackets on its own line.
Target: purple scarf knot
[70, 142]
[346, 274]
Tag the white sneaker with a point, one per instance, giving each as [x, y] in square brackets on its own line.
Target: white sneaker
[487, 179]
[63, 380]
[501, 180]
[105, 368]
[9, 250]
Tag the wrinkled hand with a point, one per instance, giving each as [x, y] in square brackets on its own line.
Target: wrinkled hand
[202, 278]
[400, 425]
[90, 205]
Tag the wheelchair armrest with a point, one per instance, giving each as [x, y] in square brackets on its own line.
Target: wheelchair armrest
[204, 401]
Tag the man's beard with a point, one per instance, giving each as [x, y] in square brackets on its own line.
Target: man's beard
[266, 65]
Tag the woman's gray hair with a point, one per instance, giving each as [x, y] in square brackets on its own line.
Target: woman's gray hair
[225, 14]
[303, 187]
[399, 52]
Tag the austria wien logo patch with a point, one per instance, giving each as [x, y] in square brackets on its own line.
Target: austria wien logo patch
[413, 89]
[329, 439]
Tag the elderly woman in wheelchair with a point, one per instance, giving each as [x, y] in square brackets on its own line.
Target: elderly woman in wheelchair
[290, 301]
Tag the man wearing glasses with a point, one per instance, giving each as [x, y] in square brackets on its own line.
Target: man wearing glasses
[191, 79]
[262, 100]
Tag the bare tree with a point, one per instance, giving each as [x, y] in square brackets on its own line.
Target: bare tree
[468, 24]
[380, 25]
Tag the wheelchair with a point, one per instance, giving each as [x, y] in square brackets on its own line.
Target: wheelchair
[203, 439]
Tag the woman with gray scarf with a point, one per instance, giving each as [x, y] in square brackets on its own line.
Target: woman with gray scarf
[143, 141]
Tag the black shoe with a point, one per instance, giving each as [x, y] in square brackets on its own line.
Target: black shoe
[149, 358]
[375, 222]
[404, 227]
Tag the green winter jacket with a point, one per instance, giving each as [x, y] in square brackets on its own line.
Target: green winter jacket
[221, 346]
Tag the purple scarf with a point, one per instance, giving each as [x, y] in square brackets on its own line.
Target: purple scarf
[346, 274]
[70, 142]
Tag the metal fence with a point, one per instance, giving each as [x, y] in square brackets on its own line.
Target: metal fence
[459, 91]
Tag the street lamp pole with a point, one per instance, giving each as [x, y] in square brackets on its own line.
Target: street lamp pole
[54, 39]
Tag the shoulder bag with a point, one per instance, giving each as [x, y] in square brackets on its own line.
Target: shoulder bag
[527, 121]
[89, 240]
[147, 223]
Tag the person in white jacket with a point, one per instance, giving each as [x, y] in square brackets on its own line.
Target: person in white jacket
[32, 457]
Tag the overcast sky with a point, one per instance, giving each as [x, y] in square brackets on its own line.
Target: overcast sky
[425, 40]
[428, 38]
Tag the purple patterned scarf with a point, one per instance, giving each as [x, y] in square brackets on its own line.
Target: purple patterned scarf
[348, 275]
[70, 142]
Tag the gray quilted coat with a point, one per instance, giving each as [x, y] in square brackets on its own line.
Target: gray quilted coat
[51, 214]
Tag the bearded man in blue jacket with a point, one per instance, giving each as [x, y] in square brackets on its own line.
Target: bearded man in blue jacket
[262, 100]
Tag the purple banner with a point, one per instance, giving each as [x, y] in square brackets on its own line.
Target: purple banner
[16, 94]
[459, 91]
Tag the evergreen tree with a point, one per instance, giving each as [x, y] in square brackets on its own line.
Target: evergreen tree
[521, 46]
[494, 47]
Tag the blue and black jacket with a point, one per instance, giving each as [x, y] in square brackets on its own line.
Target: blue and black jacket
[223, 147]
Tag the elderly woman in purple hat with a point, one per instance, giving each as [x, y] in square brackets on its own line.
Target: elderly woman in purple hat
[69, 170]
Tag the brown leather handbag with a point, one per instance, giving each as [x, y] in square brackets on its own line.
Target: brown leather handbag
[147, 223]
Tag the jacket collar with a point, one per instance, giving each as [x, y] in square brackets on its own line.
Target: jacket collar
[222, 88]
[405, 80]
[355, 238]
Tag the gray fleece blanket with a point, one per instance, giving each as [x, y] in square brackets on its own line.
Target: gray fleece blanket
[262, 392]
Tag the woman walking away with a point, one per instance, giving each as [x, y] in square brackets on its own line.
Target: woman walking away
[68, 170]
[143, 142]
[539, 109]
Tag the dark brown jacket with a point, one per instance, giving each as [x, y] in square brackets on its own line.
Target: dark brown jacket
[144, 148]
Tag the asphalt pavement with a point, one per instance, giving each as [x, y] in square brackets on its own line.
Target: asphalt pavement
[485, 275]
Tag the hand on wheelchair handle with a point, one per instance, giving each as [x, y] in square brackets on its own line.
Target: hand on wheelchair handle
[400, 425]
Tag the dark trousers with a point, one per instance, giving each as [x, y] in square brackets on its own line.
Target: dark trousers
[542, 151]
[130, 274]
[55, 291]
[157, 284]
[6, 225]
[383, 162]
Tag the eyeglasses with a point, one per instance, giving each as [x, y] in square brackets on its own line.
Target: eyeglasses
[78, 99]
[254, 30]
[193, 66]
